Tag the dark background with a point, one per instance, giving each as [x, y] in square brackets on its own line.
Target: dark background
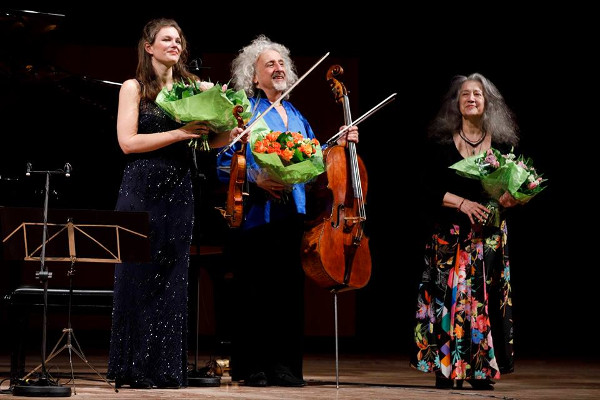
[56, 109]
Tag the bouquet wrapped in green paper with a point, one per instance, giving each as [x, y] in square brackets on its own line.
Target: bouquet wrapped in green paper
[501, 173]
[287, 157]
[203, 101]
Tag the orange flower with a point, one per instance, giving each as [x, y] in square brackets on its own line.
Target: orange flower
[286, 154]
[260, 147]
[273, 146]
[272, 136]
[422, 345]
[306, 149]
[441, 241]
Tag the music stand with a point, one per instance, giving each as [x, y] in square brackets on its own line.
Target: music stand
[70, 229]
[46, 386]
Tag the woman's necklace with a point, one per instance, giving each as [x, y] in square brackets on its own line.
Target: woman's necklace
[475, 145]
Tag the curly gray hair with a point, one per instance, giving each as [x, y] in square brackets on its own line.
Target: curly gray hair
[243, 67]
[497, 118]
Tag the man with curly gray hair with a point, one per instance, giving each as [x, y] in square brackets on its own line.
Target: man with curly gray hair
[268, 275]
[243, 68]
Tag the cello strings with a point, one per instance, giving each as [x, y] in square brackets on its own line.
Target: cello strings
[355, 171]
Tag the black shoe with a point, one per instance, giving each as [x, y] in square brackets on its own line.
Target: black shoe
[143, 383]
[169, 383]
[258, 379]
[481, 384]
[285, 378]
[119, 382]
[443, 383]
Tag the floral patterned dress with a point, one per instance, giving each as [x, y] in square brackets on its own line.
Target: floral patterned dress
[464, 308]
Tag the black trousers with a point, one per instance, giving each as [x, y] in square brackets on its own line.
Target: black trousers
[268, 283]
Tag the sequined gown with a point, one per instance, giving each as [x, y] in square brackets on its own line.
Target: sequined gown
[149, 325]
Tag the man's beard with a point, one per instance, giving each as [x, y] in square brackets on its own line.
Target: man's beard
[280, 85]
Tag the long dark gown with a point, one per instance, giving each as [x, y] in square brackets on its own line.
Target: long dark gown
[149, 326]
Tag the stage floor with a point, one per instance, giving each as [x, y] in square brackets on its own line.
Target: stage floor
[376, 377]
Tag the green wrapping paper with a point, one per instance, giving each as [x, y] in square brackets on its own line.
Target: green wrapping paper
[212, 106]
[288, 173]
[500, 173]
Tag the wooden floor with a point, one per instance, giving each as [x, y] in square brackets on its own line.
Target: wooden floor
[361, 377]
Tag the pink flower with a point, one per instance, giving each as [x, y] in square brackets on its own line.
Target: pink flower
[204, 86]
[491, 159]
[481, 323]
[533, 185]
[460, 368]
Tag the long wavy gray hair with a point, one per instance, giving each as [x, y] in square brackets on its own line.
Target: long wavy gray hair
[497, 119]
[243, 67]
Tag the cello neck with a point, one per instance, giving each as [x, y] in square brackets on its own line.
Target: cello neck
[347, 114]
[354, 171]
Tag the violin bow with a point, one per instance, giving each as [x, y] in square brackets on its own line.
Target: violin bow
[366, 115]
[283, 96]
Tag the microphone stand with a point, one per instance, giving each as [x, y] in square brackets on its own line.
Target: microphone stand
[45, 385]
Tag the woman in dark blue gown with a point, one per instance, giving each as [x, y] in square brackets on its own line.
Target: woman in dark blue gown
[149, 328]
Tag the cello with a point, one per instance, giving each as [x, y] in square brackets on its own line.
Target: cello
[335, 250]
[234, 211]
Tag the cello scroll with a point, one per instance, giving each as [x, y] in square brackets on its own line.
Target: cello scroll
[337, 88]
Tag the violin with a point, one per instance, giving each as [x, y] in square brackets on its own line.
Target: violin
[335, 250]
[234, 211]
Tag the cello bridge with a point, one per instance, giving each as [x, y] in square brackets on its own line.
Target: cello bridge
[350, 223]
[223, 212]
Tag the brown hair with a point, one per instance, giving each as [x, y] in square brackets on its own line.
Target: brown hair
[145, 72]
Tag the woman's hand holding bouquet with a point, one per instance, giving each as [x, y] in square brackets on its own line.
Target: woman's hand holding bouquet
[203, 101]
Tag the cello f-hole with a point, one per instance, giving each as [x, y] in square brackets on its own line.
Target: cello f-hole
[339, 210]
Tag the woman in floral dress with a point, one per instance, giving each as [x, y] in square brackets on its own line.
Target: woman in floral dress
[464, 308]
